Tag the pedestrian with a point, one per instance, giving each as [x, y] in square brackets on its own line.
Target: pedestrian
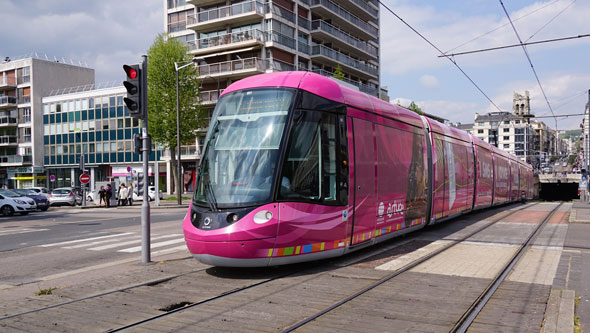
[102, 195]
[122, 195]
[130, 194]
[109, 194]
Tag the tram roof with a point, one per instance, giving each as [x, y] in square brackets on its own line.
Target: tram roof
[328, 88]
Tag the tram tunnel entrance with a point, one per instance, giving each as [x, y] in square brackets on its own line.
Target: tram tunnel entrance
[558, 191]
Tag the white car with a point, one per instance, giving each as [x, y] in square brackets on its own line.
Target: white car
[11, 203]
[151, 194]
[41, 191]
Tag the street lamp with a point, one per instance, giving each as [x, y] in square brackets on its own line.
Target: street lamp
[177, 68]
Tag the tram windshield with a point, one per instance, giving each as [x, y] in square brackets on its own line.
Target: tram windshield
[242, 148]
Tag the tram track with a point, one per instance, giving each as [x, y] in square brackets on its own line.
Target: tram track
[317, 315]
[275, 277]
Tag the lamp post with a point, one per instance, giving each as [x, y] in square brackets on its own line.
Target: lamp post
[177, 68]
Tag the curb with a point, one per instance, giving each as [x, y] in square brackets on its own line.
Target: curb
[139, 206]
[559, 314]
[574, 217]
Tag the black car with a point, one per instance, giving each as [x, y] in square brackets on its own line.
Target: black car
[40, 200]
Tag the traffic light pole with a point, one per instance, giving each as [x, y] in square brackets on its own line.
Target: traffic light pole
[145, 206]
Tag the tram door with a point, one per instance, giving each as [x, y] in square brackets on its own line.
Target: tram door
[365, 211]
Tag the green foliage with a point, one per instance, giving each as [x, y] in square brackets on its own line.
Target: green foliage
[571, 134]
[415, 108]
[162, 93]
[47, 291]
[338, 74]
[572, 159]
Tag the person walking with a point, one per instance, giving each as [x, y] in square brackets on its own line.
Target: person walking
[122, 195]
[109, 194]
[130, 194]
[102, 197]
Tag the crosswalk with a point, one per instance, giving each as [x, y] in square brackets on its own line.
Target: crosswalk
[15, 231]
[127, 242]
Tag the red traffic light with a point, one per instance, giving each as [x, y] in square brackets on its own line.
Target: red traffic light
[130, 71]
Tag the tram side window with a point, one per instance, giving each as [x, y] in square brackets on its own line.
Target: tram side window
[310, 171]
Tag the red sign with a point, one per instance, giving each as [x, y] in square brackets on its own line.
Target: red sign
[84, 178]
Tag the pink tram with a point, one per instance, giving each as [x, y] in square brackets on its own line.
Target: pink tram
[297, 167]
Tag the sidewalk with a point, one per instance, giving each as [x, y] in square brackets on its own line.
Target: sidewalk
[164, 204]
[580, 212]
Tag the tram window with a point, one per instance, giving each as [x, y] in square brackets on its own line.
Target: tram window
[310, 170]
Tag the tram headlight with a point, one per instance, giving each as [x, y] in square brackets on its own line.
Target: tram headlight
[262, 216]
[232, 218]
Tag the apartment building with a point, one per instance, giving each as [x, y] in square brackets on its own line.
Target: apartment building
[234, 39]
[93, 121]
[23, 82]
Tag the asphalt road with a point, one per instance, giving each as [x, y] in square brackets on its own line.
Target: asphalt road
[65, 239]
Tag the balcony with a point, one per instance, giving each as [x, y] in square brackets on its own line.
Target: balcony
[240, 13]
[24, 99]
[7, 102]
[236, 40]
[234, 68]
[362, 9]
[15, 160]
[280, 11]
[7, 121]
[203, 3]
[8, 140]
[7, 83]
[343, 39]
[334, 57]
[303, 23]
[209, 97]
[275, 37]
[366, 88]
[345, 18]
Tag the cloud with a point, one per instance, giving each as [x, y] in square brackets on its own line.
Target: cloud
[429, 81]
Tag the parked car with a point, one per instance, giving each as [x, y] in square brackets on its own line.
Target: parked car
[151, 194]
[11, 202]
[41, 190]
[41, 201]
[64, 196]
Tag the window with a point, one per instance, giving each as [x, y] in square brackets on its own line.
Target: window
[310, 170]
[26, 115]
[506, 146]
[506, 122]
[506, 130]
[480, 123]
[506, 138]
[480, 131]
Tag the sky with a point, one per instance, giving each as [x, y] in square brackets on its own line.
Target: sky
[106, 34]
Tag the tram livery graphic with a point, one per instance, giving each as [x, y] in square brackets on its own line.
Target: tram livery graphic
[299, 167]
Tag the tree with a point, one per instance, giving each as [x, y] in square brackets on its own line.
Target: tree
[338, 74]
[415, 108]
[162, 96]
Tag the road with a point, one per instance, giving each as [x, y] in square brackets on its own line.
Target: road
[64, 240]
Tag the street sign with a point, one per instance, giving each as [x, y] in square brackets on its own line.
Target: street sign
[84, 178]
[52, 178]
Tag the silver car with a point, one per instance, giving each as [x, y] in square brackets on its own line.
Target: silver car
[64, 196]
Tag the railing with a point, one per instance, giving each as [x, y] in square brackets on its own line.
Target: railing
[344, 36]
[210, 96]
[86, 87]
[303, 47]
[4, 81]
[303, 22]
[226, 11]
[24, 79]
[24, 99]
[226, 39]
[177, 26]
[347, 16]
[340, 57]
[366, 88]
[281, 12]
[366, 7]
[16, 159]
[8, 139]
[276, 37]
[282, 66]
[234, 65]
[305, 2]
[7, 100]
[7, 120]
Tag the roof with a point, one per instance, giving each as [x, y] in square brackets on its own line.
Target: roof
[328, 88]
[495, 116]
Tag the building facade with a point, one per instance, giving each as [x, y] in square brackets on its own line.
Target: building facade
[94, 123]
[23, 83]
[231, 40]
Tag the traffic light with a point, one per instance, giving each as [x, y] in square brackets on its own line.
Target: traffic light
[140, 184]
[134, 85]
[137, 143]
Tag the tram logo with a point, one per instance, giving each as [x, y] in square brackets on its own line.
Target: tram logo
[395, 208]
[207, 221]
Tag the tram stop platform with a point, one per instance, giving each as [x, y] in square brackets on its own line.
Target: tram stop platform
[550, 290]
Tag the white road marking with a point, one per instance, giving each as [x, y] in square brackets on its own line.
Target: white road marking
[85, 239]
[154, 245]
[19, 231]
[110, 246]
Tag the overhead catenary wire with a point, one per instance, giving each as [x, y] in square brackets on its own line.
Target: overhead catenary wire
[501, 26]
[513, 45]
[551, 20]
[529, 60]
[441, 52]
